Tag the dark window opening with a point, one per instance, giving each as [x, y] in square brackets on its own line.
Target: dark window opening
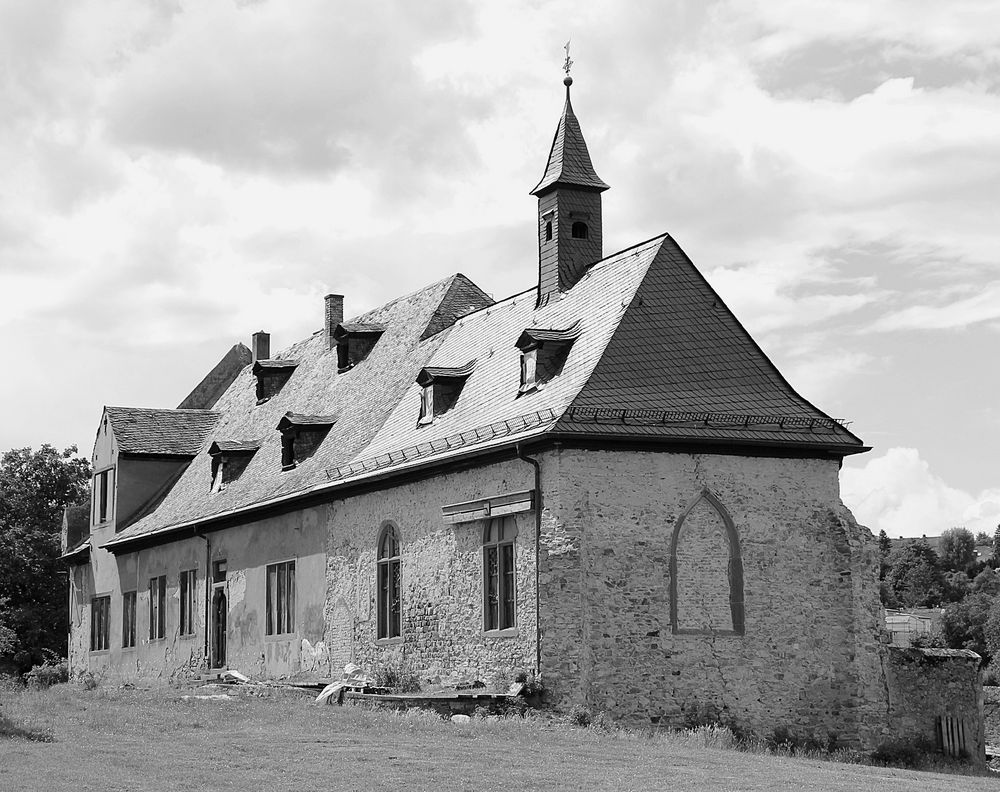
[441, 389]
[103, 489]
[157, 607]
[100, 628]
[579, 230]
[301, 435]
[187, 586]
[229, 460]
[543, 354]
[128, 620]
[281, 598]
[388, 576]
[548, 231]
[271, 377]
[499, 574]
[355, 342]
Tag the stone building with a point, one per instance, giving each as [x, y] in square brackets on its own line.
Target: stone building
[602, 479]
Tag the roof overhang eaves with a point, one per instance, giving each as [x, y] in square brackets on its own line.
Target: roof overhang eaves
[141, 455]
[127, 544]
[709, 444]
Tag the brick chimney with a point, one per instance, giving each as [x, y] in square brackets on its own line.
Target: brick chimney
[260, 346]
[334, 316]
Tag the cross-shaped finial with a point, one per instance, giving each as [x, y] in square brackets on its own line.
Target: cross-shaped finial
[568, 64]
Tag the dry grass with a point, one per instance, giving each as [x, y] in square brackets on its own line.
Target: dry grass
[131, 740]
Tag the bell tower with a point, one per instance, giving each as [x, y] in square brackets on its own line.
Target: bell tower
[569, 207]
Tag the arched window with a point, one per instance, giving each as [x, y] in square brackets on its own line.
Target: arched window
[388, 583]
[706, 571]
[548, 231]
[499, 574]
[579, 230]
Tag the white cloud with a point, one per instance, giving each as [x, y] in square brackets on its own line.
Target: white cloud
[899, 494]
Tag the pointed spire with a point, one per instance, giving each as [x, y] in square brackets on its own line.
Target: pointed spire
[569, 160]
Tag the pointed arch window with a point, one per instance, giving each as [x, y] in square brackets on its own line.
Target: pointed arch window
[548, 231]
[388, 581]
[706, 571]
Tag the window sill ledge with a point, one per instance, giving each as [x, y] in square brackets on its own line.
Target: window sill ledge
[389, 641]
[98, 651]
[711, 633]
[289, 636]
[510, 632]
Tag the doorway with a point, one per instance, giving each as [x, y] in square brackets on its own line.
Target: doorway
[220, 611]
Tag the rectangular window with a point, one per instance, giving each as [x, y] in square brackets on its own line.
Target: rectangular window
[281, 598]
[157, 607]
[427, 404]
[103, 489]
[128, 619]
[499, 579]
[187, 602]
[100, 628]
[529, 362]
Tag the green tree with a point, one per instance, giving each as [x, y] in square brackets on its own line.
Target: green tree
[996, 547]
[983, 538]
[958, 549]
[914, 579]
[884, 548]
[964, 624]
[35, 487]
[987, 582]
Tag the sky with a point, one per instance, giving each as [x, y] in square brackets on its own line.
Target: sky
[178, 175]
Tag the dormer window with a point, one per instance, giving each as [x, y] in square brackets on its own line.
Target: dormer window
[543, 354]
[354, 342]
[301, 435]
[271, 377]
[229, 460]
[441, 389]
[579, 230]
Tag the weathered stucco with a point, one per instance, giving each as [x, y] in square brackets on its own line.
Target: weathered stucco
[672, 588]
[926, 689]
[442, 579]
[247, 549]
[809, 592]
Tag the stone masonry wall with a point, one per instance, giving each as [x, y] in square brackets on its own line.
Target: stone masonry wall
[927, 685]
[808, 660]
[441, 576]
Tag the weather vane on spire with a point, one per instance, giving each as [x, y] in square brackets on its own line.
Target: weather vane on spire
[568, 64]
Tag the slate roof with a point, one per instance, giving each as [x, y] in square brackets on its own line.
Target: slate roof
[140, 430]
[569, 160]
[656, 356]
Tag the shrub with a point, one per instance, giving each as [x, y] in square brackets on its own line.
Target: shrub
[397, 676]
[533, 687]
[580, 715]
[51, 672]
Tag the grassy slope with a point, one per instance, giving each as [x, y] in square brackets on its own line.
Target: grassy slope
[137, 741]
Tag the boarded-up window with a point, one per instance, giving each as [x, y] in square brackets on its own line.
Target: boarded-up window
[157, 607]
[100, 629]
[706, 570]
[281, 598]
[187, 602]
[128, 619]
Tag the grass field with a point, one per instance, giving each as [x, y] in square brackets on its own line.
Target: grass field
[72, 739]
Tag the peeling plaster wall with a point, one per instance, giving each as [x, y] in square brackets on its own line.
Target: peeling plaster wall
[808, 660]
[442, 579]
[247, 549]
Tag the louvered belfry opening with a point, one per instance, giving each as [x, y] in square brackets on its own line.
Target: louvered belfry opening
[570, 234]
